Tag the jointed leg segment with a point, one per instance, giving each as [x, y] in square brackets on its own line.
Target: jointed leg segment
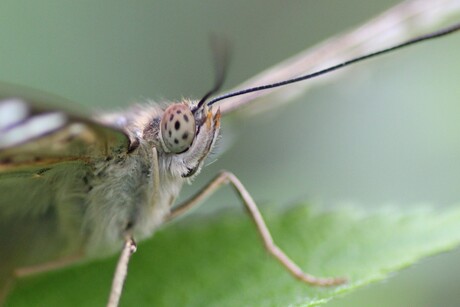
[228, 178]
[130, 245]
[121, 271]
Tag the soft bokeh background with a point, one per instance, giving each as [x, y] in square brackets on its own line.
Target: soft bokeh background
[388, 133]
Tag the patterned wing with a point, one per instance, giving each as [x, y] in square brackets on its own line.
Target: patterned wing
[46, 156]
[32, 133]
[401, 22]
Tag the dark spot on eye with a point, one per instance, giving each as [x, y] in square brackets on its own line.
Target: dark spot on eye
[178, 111]
[171, 117]
[176, 141]
[169, 133]
[177, 125]
[185, 136]
[186, 118]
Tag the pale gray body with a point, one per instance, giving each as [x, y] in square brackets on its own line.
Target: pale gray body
[123, 191]
[83, 185]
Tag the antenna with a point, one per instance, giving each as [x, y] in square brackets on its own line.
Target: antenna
[418, 39]
[221, 54]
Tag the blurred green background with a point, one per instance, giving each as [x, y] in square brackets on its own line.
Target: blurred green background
[388, 133]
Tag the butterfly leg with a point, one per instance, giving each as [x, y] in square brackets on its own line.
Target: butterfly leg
[121, 271]
[26, 271]
[5, 289]
[130, 245]
[225, 178]
[48, 266]
[155, 173]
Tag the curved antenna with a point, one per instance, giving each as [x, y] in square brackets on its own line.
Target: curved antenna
[418, 39]
[221, 51]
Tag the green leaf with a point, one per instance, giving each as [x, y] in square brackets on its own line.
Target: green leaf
[220, 261]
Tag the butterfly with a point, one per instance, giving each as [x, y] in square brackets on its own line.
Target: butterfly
[74, 160]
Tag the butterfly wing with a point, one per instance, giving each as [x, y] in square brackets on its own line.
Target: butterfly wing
[395, 25]
[46, 156]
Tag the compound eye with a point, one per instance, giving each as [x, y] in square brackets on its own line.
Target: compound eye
[177, 128]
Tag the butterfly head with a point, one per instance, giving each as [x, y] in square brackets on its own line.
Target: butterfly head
[187, 137]
[189, 129]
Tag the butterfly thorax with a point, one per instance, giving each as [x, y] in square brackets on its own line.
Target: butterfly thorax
[124, 195]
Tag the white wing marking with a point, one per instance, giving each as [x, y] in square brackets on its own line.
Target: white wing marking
[12, 111]
[32, 128]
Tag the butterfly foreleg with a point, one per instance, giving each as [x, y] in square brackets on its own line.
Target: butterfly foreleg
[225, 178]
[121, 271]
[129, 246]
[155, 174]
